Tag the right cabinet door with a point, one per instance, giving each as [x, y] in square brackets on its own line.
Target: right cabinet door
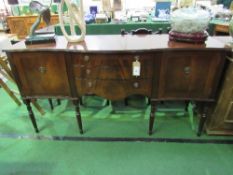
[190, 74]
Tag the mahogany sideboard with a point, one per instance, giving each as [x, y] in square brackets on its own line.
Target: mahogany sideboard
[104, 64]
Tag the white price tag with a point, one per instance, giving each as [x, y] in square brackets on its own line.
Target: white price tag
[136, 68]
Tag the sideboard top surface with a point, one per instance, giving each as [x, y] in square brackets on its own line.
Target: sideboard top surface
[118, 43]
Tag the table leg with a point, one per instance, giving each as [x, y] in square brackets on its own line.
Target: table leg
[152, 116]
[31, 115]
[78, 115]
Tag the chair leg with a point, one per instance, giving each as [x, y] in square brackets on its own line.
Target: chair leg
[6, 68]
[9, 92]
[38, 107]
[7, 75]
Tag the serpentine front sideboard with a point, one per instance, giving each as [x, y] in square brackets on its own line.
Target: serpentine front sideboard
[114, 67]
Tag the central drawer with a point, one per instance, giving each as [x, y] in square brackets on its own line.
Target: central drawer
[114, 89]
[112, 66]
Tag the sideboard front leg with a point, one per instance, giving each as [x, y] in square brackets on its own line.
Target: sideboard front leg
[202, 119]
[78, 115]
[152, 117]
[31, 114]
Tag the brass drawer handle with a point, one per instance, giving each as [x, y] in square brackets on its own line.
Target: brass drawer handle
[136, 85]
[137, 57]
[42, 69]
[79, 66]
[86, 58]
[187, 70]
[88, 71]
[89, 84]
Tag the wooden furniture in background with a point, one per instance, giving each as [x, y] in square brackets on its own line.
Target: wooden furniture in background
[6, 72]
[21, 25]
[102, 65]
[221, 27]
[221, 120]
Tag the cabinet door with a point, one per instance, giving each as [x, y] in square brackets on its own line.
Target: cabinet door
[41, 74]
[190, 75]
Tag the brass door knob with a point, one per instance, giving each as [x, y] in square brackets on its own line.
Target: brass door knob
[42, 69]
[187, 70]
[88, 71]
[89, 84]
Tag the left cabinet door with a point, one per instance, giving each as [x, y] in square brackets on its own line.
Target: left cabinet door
[41, 73]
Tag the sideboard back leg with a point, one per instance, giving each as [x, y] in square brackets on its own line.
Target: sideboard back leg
[51, 103]
[152, 116]
[78, 115]
[202, 119]
[58, 102]
[31, 114]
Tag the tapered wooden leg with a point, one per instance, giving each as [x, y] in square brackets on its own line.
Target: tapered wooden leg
[152, 117]
[202, 120]
[78, 115]
[31, 115]
[51, 103]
